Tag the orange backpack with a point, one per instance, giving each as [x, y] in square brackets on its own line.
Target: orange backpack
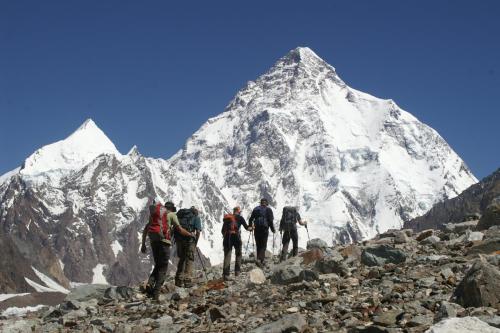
[230, 224]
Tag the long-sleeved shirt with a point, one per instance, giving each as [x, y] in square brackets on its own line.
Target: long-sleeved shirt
[268, 216]
[296, 219]
[240, 220]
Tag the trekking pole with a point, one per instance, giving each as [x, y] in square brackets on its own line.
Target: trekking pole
[308, 238]
[254, 248]
[274, 237]
[202, 264]
[248, 242]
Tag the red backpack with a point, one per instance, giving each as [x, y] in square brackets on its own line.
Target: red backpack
[158, 220]
[230, 224]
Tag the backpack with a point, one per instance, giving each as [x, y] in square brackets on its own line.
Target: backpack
[230, 224]
[186, 220]
[261, 219]
[288, 218]
[158, 221]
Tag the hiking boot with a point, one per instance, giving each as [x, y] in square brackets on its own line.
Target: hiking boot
[179, 283]
[156, 297]
[236, 273]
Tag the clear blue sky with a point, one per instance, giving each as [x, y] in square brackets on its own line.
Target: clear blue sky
[151, 72]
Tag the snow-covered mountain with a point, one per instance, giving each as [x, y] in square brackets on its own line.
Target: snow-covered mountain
[354, 164]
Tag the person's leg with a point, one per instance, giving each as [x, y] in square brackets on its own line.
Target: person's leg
[237, 247]
[227, 260]
[181, 254]
[286, 241]
[295, 239]
[262, 245]
[154, 274]
[188, 267]
[163, 254]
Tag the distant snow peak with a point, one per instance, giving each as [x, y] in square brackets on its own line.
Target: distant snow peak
[72, 153]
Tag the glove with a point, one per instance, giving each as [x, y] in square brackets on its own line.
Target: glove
[143, 248]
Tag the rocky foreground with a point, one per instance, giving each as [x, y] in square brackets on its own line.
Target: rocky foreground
[435, 281]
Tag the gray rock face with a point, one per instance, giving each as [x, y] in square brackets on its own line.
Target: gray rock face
[382, 254]
[470, 204]
[480, 286]
[491, 215]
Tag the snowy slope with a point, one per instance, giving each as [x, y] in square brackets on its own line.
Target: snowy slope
[354, 164]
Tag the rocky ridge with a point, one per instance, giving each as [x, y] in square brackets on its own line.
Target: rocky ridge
[436, 281]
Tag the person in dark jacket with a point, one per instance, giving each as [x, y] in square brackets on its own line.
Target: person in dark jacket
[186, 250]
[262, 217]
[232, 238]
[288, 226]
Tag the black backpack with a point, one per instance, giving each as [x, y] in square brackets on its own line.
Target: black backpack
[261, 219]
[288, 218]
[186, 220]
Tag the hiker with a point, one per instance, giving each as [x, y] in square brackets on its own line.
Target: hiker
[186, 246]
[262, 217]
[232, 238]
[162, 221]
[288, 226]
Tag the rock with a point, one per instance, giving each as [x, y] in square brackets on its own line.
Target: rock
[388, 318]
[316, 243]
[448, 310]
[289, 323]
[214, 313]
[421, 320]
[293, 309]
[163, 323]
[87, 292]
[431, 240]
[332, 265]
[70, 305]
[461, 325]
[486, 246]
[382, 254]
[424, 234]
[401, 237]
[312, 255]
[492, 320]
[180, 293]
[480, 286]
[256, 276]
[460, 227]
[351, 252]
[293, 274]
[491, 215]
[119, 293]
[472, 236]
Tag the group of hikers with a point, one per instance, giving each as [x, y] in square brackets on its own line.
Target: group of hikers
[167, 226]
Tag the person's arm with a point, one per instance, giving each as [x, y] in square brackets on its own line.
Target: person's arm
[243, 222]
[270, 218]
[252, 218]
[144, 236]
[299, 219]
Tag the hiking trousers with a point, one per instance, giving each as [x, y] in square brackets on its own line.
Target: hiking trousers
[287, 235]
[261, 235]
[185, 252]
[231, 241]
[161, 254]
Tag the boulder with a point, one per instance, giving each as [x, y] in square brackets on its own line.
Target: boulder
[460, 227]
[491, 215]
[122, 293]
[332, 265]
[317, 243]
[424, 234]
[292, 274]
[312, 255]
[431, 240]
[486, 246]
[473, 236]
[461, 325]
[382, 254]
[480, 286]
[401, 237]
[388, 318]
[256, 276]
[87, 292]
[294, 322]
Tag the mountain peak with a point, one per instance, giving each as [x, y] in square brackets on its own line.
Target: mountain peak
[72, 153]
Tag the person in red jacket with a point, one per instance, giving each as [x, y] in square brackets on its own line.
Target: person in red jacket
[160, 227]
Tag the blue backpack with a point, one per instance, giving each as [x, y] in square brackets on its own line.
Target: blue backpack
[261, 219]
